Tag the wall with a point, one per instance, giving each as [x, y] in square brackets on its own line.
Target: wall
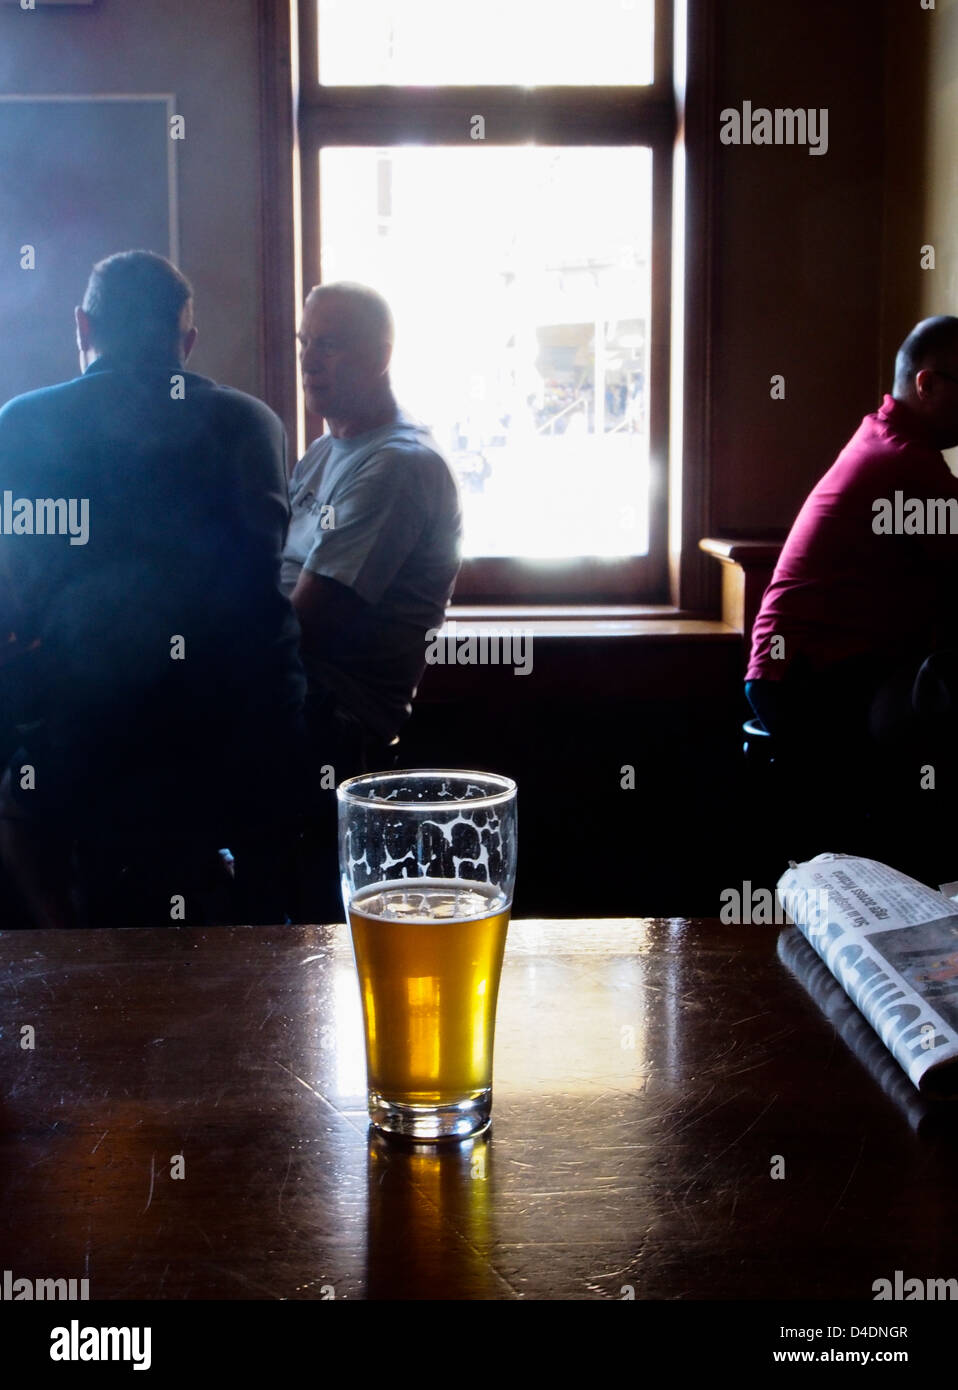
[910, 35]
[798, 256]
[940, 287]
[818, 258]
[206, 53]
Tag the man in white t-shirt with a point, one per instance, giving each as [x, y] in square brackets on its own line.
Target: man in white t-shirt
[372, 552]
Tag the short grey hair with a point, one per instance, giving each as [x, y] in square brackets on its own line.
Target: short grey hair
[368, 305]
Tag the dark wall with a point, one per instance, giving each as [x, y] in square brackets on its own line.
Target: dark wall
[65, 207]
[206, 55]
[595, 841]
[798, 248]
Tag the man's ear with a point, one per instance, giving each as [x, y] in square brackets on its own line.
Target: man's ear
[84, 340]
[189, 342]
[924, 383]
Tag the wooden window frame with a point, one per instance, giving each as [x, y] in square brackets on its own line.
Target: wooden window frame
[675, 112]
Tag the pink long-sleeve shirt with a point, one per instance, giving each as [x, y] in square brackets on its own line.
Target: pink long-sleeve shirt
[855, 574]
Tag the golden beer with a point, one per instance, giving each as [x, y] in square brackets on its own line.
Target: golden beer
[429, 955]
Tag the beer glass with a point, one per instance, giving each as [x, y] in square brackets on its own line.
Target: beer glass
[428, 864]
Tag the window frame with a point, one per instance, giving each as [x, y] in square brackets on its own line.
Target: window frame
[379, 116]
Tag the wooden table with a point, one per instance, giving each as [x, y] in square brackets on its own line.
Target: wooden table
[651, 1076]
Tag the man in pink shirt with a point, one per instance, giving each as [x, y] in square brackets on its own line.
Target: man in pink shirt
[854, 642]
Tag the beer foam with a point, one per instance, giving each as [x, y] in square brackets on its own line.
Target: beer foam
[423, 900]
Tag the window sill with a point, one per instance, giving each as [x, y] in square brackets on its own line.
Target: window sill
[579, 656]
[747, 568]
[658, 623]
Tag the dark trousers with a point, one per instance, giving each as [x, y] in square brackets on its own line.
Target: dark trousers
[867, 757]
[136, 840]
[339, 748]
[904, 709]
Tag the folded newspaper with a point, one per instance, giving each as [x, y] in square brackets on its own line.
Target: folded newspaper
[892, 944]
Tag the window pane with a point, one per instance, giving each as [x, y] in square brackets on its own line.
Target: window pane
[520, 282]
[504, 42]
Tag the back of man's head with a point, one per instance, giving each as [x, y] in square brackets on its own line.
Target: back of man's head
[139, 307]
[931, 344]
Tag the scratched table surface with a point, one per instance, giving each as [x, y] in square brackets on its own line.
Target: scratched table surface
[675, 1117]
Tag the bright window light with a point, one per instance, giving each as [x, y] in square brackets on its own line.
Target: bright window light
[519, 277]
[506, 42]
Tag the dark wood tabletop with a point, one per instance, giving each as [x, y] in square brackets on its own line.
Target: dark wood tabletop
[675, 1117]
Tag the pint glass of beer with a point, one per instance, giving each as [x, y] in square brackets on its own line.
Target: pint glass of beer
[428, 864]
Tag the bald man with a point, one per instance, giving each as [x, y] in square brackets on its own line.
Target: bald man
[854, 645]
[372, 552]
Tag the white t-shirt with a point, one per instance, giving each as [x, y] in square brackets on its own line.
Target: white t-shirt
[380, 514]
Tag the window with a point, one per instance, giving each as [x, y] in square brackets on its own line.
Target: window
[502, 174]
[454, 43]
